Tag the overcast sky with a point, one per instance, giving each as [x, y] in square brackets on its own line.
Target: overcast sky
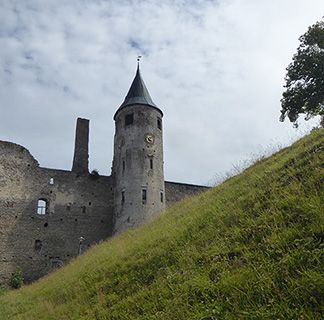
[215, 68]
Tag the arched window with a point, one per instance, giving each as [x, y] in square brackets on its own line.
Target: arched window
[42, 206]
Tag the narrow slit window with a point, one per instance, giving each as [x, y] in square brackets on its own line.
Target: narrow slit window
[144, 196]
[123, 197]
[159, 123]
[161, 196]
[38, 245]
[124, 165]
[129, 119]
[42, 207]
[151, 163]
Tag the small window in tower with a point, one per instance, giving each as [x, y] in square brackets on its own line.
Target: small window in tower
[159, 123]
[51, 181]
[129, 119]
[124, 165]
[161, 196]
[144, 196]
[42, 206]
[123, 197]
[38, 245]
[151, 163]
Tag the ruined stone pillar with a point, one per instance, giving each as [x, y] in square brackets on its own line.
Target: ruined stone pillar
[81, 152]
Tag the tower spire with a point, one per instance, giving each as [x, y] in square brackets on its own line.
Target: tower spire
[137, 170]
[137, 93]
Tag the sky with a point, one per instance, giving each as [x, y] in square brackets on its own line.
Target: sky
[215, 68]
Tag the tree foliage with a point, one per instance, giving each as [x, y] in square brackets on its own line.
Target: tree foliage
[304, 85]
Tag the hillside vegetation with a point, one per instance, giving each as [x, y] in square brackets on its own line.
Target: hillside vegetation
[251, 248]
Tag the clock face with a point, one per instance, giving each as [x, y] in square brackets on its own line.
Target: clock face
[149, 138]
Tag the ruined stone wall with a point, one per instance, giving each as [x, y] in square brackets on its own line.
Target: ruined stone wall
[81, 147]
[175, 191]
[77, 205]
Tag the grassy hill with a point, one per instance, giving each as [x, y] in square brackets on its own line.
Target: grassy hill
[251, 248]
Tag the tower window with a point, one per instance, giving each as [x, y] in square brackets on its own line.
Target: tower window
[123, 197]
[38, 245]
[124, 165]
[51, 181]
[129, 119]
[159, 123]
[42, 206]
[161, 196]
[144, 196]
[151, 163]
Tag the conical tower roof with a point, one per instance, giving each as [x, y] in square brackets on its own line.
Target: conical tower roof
[137, 94]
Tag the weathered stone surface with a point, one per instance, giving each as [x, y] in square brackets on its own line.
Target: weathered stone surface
[175, 191]
[81, 147]
[78, 205]
[137, 166]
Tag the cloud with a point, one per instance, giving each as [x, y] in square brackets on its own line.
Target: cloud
[215, 68]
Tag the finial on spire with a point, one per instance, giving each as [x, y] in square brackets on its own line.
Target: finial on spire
[138, 61]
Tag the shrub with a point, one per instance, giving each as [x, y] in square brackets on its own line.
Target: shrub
[17, 279]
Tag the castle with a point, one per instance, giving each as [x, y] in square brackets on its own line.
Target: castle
[48, 216]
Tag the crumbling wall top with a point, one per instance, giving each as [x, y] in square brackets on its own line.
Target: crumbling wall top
[15, 151]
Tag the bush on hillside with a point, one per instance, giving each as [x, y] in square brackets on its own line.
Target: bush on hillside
[17, 279]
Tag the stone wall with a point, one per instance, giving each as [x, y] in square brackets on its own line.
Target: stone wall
[81, 147]
[39, 240]
[175, 191]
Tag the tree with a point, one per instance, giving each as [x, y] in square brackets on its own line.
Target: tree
[304, 85]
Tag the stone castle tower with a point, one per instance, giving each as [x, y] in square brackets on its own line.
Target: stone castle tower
[138, 158]
[48, 216]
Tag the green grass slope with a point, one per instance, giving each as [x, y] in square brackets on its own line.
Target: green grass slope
[251, 248]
